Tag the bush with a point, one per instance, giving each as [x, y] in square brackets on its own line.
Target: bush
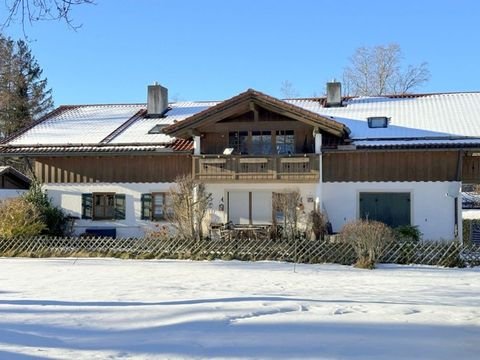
[18, 217]
[369, 239]
[407, 233]
[318, 224]
[53, 217]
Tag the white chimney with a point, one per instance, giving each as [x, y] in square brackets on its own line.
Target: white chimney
[157, 100]
[334, 94]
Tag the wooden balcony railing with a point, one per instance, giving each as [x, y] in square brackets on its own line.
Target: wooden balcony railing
[248, 168]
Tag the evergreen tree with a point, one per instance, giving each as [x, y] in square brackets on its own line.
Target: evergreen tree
[24, 96]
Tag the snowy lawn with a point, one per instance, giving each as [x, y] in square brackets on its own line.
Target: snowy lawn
[108, 308]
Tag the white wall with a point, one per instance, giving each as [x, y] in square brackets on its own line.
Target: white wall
[10, 193]
[69, 197]
[432, 210]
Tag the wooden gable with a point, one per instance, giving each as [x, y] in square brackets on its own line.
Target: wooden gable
[249, 107]
[13, 179]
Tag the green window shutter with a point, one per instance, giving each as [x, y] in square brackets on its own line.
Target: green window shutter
[120, 206]
[87, 206]
[146, 206]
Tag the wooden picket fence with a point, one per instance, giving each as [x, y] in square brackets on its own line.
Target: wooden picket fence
[294, 250]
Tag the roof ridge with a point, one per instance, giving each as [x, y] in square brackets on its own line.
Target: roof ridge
[108, 104]
[388, 96]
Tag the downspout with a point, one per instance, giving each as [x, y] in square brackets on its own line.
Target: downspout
[318, 151]
[456, 231]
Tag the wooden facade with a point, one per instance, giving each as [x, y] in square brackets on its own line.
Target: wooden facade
[381, 165]
[216, 138]
[108, 169]
[344, 166]
[471, 169]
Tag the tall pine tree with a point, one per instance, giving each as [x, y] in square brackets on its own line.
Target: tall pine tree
[24, 95]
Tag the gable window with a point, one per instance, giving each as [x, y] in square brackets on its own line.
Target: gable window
[392, 209]
[261, 142]
[156, 206]
[238, 141]
[285, 142]
[103, 206]
[378, 122]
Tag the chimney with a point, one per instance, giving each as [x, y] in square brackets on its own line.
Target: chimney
[157, 100]
[334, 94]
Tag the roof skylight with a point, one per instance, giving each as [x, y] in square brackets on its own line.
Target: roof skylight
[378, 121]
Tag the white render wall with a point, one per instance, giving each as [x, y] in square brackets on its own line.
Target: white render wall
[432, 210]
[10, 193]
[69, 198]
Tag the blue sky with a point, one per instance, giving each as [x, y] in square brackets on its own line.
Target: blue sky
[214, 49]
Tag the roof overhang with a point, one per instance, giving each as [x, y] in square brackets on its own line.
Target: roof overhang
[248, 101]
[179, 146]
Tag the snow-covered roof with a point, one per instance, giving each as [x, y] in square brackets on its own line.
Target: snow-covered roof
[449, 119]
[452, 118]
[103, 129]
[139, 131]
[87, 124]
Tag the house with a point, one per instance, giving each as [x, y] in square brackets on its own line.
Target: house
[399, 159]
[12, 182]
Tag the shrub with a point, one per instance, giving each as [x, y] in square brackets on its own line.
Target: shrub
[407, 233]
[53, 217]
[18, 217]
[369, 239]
[318, 224]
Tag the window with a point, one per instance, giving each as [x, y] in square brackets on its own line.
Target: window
[261, 142]
[238, 140]
[156, 206]
[103, 206]
[285, 142]
[378, 122]
[392, 209]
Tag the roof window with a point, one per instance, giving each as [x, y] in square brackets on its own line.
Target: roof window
[157, 129]
[378, 122]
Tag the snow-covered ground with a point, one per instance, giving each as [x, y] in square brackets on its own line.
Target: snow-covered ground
[111, 309]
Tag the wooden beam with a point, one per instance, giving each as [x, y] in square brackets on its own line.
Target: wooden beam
[211, 119]
[254, 109]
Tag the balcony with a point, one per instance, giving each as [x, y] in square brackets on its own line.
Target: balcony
[249, 168]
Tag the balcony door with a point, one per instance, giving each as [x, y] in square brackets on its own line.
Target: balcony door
[250, 207]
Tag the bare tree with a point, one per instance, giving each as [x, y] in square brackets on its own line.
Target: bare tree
[378, 70]
[287, 208]
[189, 205]
[29, 11]
[287, 90]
